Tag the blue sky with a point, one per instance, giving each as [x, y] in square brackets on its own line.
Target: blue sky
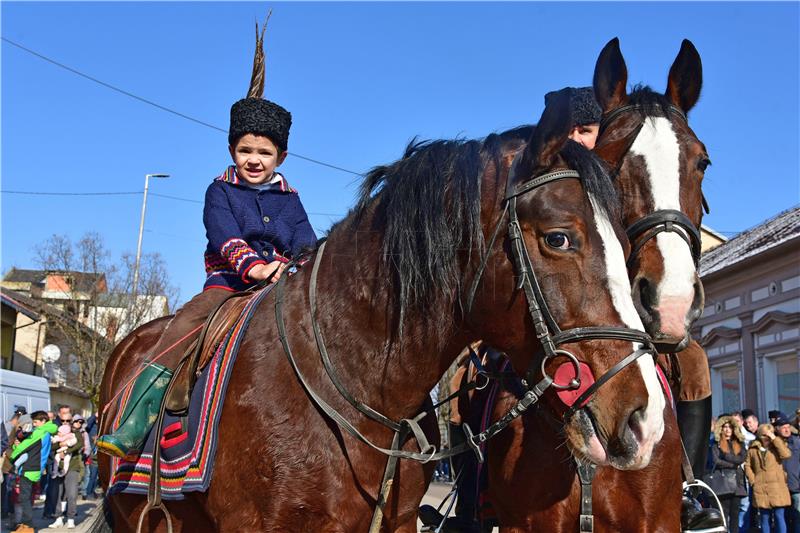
[361, 80]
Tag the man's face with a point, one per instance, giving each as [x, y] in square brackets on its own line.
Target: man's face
[784, 431]
[585, 135]
[738, 418]
[751, 423]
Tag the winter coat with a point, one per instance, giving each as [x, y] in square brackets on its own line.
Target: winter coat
[37, 446]
[732, 461]
[792, 465]
[765, 473]
[248, 227]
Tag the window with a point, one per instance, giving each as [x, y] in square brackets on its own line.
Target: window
[727, 389]
[788, 384]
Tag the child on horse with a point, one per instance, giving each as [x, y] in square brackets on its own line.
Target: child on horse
[255, 224]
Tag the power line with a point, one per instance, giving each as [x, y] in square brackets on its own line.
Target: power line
[155, 104]
[42, 193]
[114, 193]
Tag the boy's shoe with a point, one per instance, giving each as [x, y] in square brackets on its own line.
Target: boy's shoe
[58, 523]
[140, 413]
[70, 524]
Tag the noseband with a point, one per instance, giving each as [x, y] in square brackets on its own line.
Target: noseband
[663, 220]
[550, 335]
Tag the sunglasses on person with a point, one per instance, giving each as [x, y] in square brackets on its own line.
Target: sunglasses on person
[65, 421]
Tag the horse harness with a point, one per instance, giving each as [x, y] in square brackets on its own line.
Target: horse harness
[662, 220]
[547, 331]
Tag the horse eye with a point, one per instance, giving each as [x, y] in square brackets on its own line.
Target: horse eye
[703, 164]
[557, 240]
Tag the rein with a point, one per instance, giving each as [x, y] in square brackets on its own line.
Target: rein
[547, 331]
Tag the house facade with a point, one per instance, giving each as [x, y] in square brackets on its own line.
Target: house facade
[750, 327]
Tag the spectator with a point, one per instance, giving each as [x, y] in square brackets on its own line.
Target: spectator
[750, 427]
[729, 453]
[74, 473]
[783, 426]
[55, 486]
[90, 479]
[765, 472]
[9, 478]
[37, 447]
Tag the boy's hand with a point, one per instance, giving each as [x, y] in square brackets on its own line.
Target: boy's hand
[262, 272]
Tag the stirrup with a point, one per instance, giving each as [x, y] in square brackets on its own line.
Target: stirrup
[697, 483]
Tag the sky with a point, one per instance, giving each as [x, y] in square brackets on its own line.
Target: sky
[361, 79]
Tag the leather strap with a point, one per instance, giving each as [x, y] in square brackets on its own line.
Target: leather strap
[586, 474]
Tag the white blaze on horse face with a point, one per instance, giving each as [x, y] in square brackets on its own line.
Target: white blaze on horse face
[658, 145]
[620, 290]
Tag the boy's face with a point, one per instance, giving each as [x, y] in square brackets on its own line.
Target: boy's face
[256, 158]
[585, 135]
[37, 423]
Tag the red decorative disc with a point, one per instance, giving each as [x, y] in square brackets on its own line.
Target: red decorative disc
[566, 373]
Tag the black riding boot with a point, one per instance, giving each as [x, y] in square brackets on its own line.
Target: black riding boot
[694, 423]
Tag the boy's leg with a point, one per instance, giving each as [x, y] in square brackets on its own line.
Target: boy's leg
[148, 389]
[25, 493]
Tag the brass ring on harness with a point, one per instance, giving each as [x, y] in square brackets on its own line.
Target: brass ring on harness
[575, 382]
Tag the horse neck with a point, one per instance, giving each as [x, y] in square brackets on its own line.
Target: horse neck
[391, 373]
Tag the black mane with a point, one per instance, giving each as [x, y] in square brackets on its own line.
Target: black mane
[649, 102]
[428, 204]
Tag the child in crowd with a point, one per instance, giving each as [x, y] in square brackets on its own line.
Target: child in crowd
[65, 439]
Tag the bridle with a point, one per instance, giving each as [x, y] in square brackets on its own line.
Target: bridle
[546, 328]
[662, 220]
[550, 335]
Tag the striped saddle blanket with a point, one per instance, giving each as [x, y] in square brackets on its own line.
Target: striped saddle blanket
[188, 444]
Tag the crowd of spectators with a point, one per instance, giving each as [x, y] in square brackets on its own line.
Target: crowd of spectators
[51, 456]
[764, 461]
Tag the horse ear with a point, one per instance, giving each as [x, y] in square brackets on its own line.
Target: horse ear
[550, 133]
[610, 77]
[685, 77]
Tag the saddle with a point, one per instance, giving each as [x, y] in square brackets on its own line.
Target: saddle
[200, 352]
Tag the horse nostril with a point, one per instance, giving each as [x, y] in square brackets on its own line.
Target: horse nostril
[636, 422]
[645, 294]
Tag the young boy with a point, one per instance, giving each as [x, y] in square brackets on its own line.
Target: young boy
[255, 224]
[37, 448]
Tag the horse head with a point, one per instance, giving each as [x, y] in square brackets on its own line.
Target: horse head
[659, 164]
[557, 298]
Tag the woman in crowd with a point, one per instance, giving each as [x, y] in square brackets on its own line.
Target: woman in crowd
[728, 453]
[765, 472]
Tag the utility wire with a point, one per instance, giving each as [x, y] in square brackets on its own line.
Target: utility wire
[113, 193]
[42, 193]
[155, 104]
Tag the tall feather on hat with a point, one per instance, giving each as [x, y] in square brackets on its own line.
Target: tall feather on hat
[253, 114]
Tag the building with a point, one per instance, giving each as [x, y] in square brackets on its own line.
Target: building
[75, 312]
[750, 327]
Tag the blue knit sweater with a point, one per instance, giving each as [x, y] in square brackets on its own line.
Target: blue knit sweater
[246, 227]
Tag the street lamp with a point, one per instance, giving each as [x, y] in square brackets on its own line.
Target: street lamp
[141, 230]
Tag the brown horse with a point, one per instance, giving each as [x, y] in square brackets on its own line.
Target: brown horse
[391, 291]
[659, 164]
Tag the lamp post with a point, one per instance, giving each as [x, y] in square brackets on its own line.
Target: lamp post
[141, 230]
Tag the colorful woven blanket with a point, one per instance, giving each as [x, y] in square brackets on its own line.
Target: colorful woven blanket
[188, 444]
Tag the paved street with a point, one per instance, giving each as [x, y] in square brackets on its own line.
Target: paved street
[40, 524]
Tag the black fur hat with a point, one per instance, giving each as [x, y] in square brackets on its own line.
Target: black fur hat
[260, 117]
[583, 105]
[254, 114]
